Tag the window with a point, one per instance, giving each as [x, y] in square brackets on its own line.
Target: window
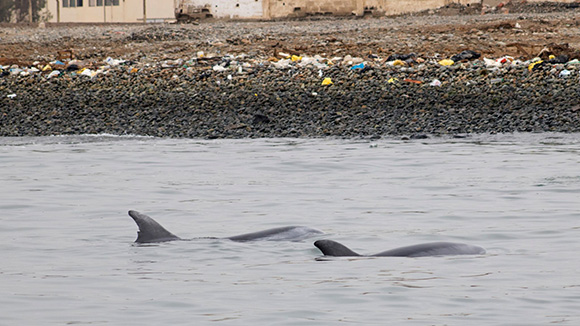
[99, 3]
[111, 2]
[65, 3]
[92, 3]
[72, 3]
[79, 3]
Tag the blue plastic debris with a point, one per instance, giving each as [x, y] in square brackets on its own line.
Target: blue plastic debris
[359, 66]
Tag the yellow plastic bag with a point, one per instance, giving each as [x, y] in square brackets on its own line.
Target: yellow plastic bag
[446, 62]
[532, 65]
[327, 81]
[296, 58]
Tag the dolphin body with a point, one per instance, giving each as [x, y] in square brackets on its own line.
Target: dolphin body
[150, 232]
[333, 248]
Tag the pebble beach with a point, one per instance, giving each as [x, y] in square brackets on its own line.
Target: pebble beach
[352, 78]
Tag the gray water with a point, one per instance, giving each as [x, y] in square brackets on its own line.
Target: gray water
[68, 256]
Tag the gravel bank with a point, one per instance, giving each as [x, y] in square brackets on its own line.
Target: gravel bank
[236, 89]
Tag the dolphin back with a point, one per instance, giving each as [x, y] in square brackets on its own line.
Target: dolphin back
[285, 233]
[333, 248]
[149, 230]
[433, 249]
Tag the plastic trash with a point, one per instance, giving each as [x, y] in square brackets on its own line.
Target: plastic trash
[359, 66]
[11, 95]
[490, 63]
[15, 71]
[281, 64]
[305, 61]
[402, 57]
[564, 73]
[446, 62]
[114, 62]
[327, 81]
[574, 62]
[398, 63]
[89, 73]
[558, 59]
[295, 58]
[413, 81]
[466, 55]
[392, 80]
[53, 73]
[535, 64]
[219, 68]
[435, 82]
[505, 59]
[72, 67]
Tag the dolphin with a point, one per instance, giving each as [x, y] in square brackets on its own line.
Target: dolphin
[150, 232]
[333, 248]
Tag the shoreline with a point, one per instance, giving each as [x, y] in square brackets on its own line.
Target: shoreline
[232, 80]
[270, 103]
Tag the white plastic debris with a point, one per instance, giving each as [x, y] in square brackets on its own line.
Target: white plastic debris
[218, 68]
[491, 63]
[281, 64]
[53, 73]
[435, 82]
[113, 62]
[88, 72]
[11, 95]
[564, 73]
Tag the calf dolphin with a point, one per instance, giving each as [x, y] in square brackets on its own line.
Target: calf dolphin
[150, 231]
[333, 248]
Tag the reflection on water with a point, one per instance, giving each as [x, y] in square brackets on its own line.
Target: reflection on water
[68, 256]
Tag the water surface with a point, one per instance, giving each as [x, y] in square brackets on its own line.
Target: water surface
[68, 257]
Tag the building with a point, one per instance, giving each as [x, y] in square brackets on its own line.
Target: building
[275, 9]
[135, 11]
[110, 11]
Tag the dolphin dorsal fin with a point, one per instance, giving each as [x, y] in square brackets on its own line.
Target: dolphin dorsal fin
[333, 248]
[150, 230]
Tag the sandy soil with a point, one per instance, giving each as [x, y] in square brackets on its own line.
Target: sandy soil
[521, 35]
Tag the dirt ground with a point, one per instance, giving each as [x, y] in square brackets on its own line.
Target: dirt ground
[440, 33]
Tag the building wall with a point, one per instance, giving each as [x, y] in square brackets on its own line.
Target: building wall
[160, 10]
[390, 7]
[298, 8]
[127, 11]
[229, 9]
